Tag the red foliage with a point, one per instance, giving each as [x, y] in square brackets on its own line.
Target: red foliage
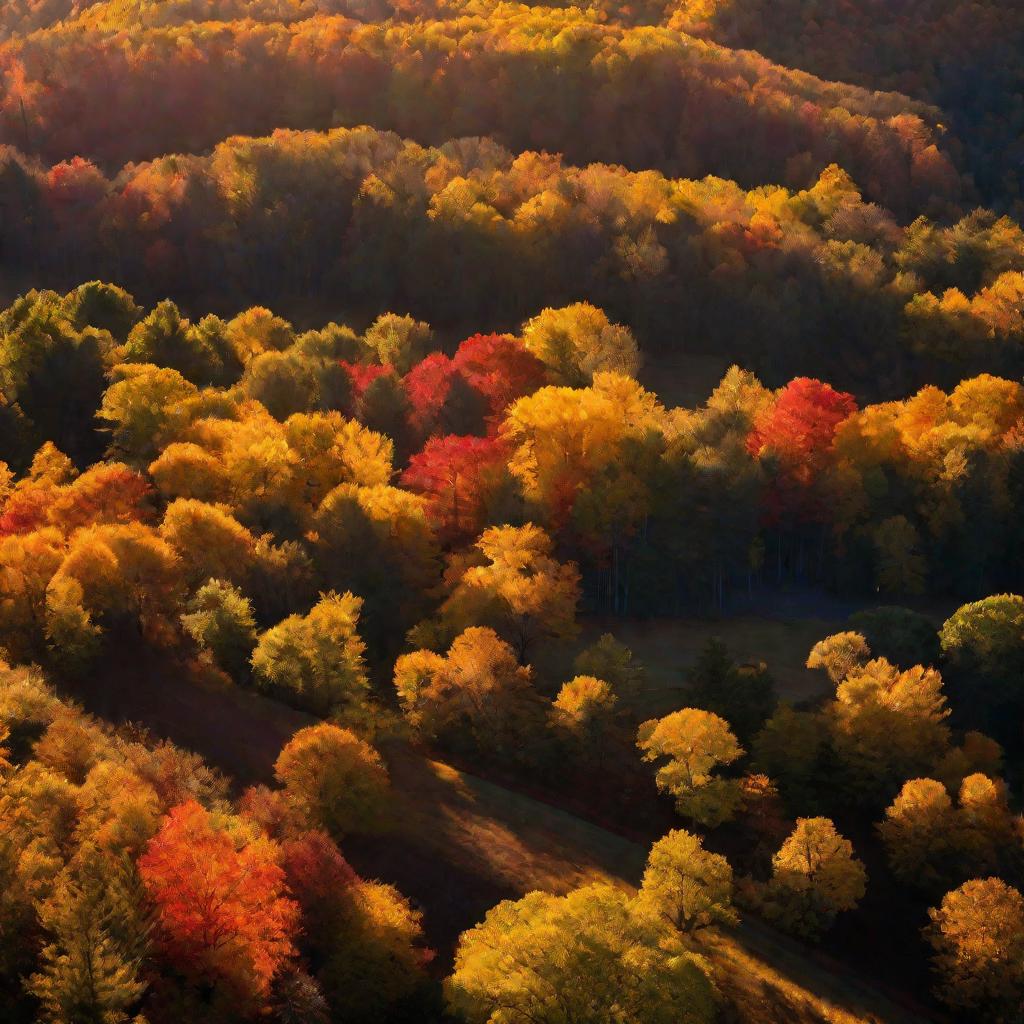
[318, 875]
[427, 384]
[364, 374]
[222, 915]
[456, 473]
[25, 511]
[500, 368]
[797, 431]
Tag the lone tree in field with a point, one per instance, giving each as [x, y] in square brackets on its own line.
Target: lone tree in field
[687, 885]
[695, 744]
[334, 780]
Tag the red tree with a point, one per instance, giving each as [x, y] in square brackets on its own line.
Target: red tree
[457, 474]
[222, 913]
[797, 433]
[364, 374]
[427, 384]
[500, 368]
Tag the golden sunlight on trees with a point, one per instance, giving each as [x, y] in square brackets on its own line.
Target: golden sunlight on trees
[586, 956]
[696, 743]
[334, 780]
[687, 885]
[815, 876]
[978, 937]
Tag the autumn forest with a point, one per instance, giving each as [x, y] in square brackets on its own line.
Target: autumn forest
[511, 513]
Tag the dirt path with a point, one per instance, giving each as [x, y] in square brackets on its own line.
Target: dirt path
[462, 844]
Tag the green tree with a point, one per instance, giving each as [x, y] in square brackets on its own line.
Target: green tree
[221, 622]
[903, 636]
[316, 660]
[89, 967]
[744, 695]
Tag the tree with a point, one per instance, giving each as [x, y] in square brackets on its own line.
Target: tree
[904, 637]
[363, 939]
[687, 885]
[500, 367]
[220, 621]
[919, 833]
[586, 718]
[222, 916]
[588, 956]
[814, 877]
[210, 542]
[796, 432]
[142, 407]
[695, 743]
[614, 662]
[165, 338]
[378, 543]
[89, 967]
[127, 573]
[901, 567]
[888, 725]
[460, 477]
[978, 937]
[577, 341]
[478, 691]
[839, 655]
[334, 780]
[522, 591]
[744, 695]
[316, 659]
[398, 341]
[984, 644]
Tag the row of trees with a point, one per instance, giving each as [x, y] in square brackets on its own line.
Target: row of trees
[961, 55]
[530, 77]
[240, 451]
[691, 266]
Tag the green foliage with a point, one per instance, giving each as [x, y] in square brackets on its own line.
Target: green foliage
[902, 636]
[744, 695]
[316, 660]
[220, 620]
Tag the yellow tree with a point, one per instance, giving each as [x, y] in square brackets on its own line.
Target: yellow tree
[522, 590]
[839, 655]
[210, 542]
[888, 725]
[577, 341]
[815, 876]
[478, 688]
[918, 832]
[688, 886]
[587, 956]
[316, 659]
[126, 572]
[695, 743]
[334, 780]
[978, 937]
